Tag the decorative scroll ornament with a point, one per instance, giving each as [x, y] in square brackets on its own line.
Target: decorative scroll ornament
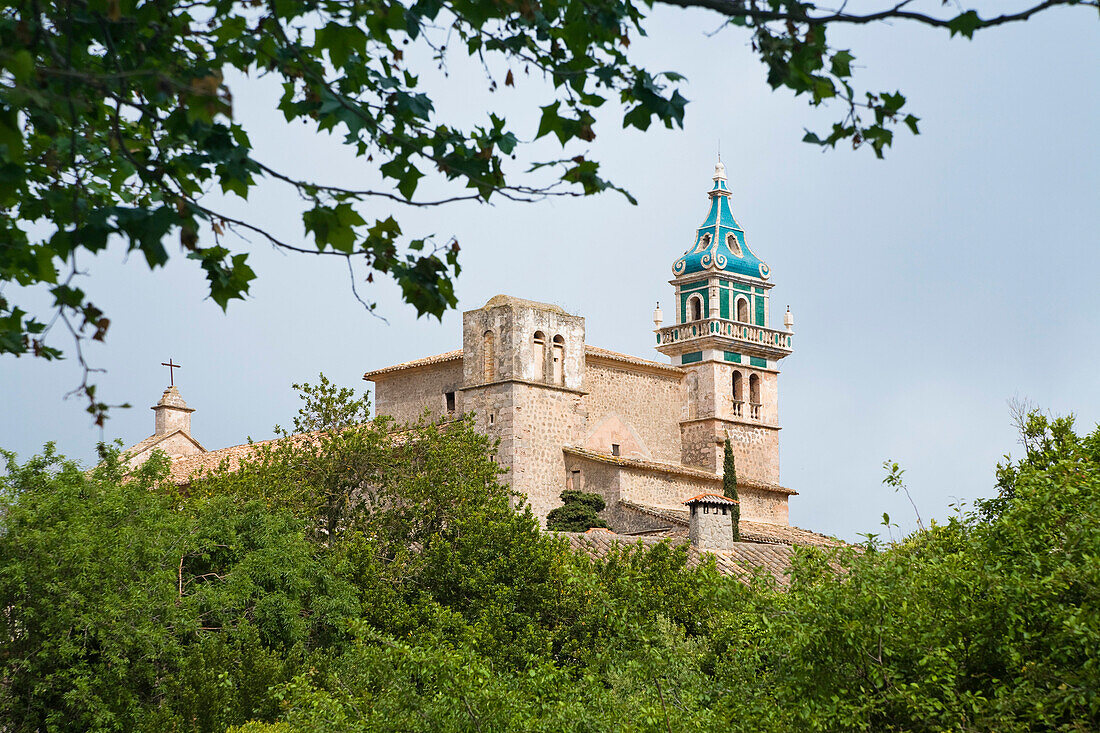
[717, 260]
[765, 271]
[679, 266]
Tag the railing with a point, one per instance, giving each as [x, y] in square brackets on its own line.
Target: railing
[738, 408]
[754, 411]
[757, 335]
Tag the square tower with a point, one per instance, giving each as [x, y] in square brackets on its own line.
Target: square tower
[523, 375]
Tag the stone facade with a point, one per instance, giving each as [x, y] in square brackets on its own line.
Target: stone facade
[600, 422]
[171, 431]
[638, 432]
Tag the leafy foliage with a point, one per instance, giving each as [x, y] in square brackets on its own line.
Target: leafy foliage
[117, 124]
[129, 605]
[578, 512]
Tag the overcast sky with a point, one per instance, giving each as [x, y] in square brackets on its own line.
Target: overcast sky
[927, 289]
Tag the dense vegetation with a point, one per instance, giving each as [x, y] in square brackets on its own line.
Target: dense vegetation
[579, 512]
[380, 580]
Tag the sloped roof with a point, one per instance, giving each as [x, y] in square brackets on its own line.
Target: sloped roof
[591, 352]
[455, 355]
[596, 353]
[151, 442]
[753, 532]
[739, 562]
[675, 468]
[711, 499]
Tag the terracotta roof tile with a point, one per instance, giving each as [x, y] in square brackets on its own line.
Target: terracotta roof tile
[598, 353]
[455, 355]
[754, 532]
[740, 562]
[713, 498]
[675, 468]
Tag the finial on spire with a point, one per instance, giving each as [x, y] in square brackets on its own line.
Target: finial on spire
[658, 316]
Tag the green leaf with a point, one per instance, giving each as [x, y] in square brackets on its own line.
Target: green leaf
[965, 24]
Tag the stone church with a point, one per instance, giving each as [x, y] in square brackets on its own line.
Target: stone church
[648, 436]
[645, 435]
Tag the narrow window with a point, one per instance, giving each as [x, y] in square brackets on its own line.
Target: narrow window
[733, 244]
[614, 449]
[558, 365]
[738, 394]
[539, 355]
[754, 397]
[695, 303]
[492, 418]
[488, 355]
[743, 309]
[450, 401]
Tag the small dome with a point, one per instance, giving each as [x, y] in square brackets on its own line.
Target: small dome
[720, 241]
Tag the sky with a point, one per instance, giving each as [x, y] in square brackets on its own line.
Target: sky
[928, 290]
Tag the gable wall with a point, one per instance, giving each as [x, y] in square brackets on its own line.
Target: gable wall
[649, 403]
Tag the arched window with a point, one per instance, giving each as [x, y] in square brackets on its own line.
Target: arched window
[695, 307]
[754, 396]
[742, 309]
[539, 355]
[738, 394]
[488, 357]
[558, 364]
[734, 244]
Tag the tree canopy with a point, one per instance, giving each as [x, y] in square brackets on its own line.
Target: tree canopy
[242, 603]
[117, 125]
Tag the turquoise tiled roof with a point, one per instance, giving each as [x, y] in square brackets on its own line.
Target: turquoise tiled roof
[720, 241]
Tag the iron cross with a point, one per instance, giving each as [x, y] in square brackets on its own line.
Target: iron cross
[171, 371]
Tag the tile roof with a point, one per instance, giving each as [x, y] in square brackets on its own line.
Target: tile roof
[754, 532]
[676, 468]
[594, 352]
[455, 355]
[739, 562]
[712, 498]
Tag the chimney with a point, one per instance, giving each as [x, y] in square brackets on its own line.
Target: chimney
[710, 526]
[172, 413]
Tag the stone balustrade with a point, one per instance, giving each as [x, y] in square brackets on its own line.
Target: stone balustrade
[724, 328]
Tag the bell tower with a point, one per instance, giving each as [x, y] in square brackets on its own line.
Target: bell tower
[723, 338]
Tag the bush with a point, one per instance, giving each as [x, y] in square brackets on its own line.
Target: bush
[578, 512]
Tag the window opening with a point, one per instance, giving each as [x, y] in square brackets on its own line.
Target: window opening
[743, 309]
[614, 449]
[488, 355]
[695, 303]
[450, 401]
[738, 394]
[754, 396]
[558, 364]
[733, 244]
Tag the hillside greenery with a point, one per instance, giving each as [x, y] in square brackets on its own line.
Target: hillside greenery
[365, 578]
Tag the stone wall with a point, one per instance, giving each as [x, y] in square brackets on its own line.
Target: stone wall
[499, 343]
[649, 403]
[404, 395]
[758, 505]
[545, 419]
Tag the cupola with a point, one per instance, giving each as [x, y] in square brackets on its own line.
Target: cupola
[719, 243]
